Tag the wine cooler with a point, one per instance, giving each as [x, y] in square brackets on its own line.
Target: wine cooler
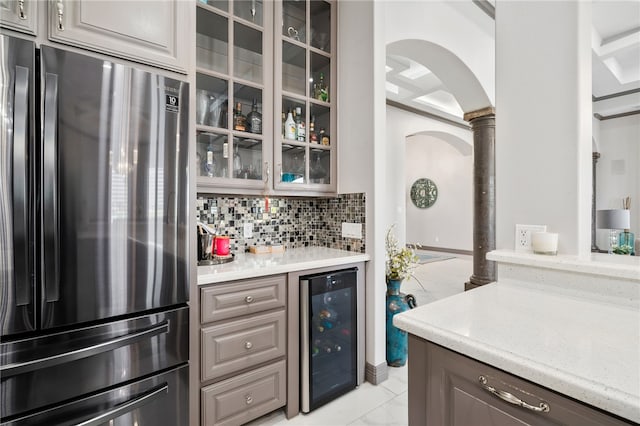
[328, 341]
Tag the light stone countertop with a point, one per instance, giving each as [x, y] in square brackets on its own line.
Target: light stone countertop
[248, 265]
[574, 345]
[603, 264]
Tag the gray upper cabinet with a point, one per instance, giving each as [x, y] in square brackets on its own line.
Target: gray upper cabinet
[151, 32]
[19, 16]
[305, 76]
[262, 59]
[234, 122]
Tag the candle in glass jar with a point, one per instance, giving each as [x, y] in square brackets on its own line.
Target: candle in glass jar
[544, 243]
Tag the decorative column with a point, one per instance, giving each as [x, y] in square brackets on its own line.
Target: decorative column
[483, 125]
[595, 156]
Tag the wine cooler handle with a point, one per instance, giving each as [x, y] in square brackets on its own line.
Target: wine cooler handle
[305, 367]
[50, 190]
[21, 13]
[128, 406]
[74, 355]
[20, 186]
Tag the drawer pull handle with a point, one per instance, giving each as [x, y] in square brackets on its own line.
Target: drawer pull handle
[512, 399]
[249, 399]
[248, 299]
[248, 345]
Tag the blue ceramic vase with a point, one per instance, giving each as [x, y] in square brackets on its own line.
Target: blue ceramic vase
[397, 339]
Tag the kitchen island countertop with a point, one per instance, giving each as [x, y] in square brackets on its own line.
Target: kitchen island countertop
[248, 265]
[577, 346]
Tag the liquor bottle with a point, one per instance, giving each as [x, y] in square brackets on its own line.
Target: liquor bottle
[284, 119]
[239, 120]
[322, 91]
[324, 138]
[300, 130]
[313, 136]
[208, 167]
[290, 127]
[254, 119]
[237, 162]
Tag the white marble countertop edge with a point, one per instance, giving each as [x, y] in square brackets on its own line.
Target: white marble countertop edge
[589, 392]
[248, 265]
[627, 267]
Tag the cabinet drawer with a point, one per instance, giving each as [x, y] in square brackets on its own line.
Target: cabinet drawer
[447, 388]
[242, 344]
[245, 397]
[241, 298]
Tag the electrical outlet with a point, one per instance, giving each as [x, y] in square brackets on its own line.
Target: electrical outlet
[248, 230]
[352, 230]
[523, 236]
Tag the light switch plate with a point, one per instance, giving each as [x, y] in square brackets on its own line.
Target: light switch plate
[523, 236]
[352, 230]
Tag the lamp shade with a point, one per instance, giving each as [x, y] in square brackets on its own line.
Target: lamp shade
[613, 219]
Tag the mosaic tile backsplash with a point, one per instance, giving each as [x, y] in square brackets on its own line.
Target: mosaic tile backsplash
[292, 222]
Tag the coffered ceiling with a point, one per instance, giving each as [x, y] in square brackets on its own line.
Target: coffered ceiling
[615, 61]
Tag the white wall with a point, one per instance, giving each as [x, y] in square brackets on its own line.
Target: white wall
[543, 121]
[618, 173]
[400, 125]
[449, 222]
[361, 151]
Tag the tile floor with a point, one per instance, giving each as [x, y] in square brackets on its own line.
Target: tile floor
[385, 404]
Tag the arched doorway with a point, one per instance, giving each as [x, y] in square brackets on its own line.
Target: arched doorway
[478, 111]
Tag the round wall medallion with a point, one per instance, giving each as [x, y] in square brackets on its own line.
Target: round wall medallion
[424, 193]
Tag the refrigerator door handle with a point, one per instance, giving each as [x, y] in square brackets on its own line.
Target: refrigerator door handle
[128, 406]
[50, 195]
[36, 364]
[20, 186]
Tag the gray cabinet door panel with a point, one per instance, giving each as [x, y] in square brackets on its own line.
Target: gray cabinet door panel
[242, 344]
[150, 32]
[444, 389]
[244, 397]
[223, 301]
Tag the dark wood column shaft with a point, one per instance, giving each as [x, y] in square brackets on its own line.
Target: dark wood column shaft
[594, 156]
[484, 196]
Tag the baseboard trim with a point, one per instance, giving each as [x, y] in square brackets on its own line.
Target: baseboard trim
[446, 250]
[376, 374]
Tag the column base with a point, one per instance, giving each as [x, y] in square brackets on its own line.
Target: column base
[475, 282]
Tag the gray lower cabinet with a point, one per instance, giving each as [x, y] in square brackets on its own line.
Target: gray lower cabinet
[447, 388]
[242, 350]
[246, 396]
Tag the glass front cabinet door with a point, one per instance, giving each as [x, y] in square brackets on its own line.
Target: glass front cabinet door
[304, 150]
[233, 95]
[265, 96]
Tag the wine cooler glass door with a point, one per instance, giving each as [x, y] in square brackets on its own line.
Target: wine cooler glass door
[330, 345]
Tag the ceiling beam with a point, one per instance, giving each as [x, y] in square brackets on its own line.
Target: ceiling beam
[428, 114]
[486, 7]
[622, 114]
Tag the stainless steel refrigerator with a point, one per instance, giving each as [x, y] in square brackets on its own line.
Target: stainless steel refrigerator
[93, 241]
